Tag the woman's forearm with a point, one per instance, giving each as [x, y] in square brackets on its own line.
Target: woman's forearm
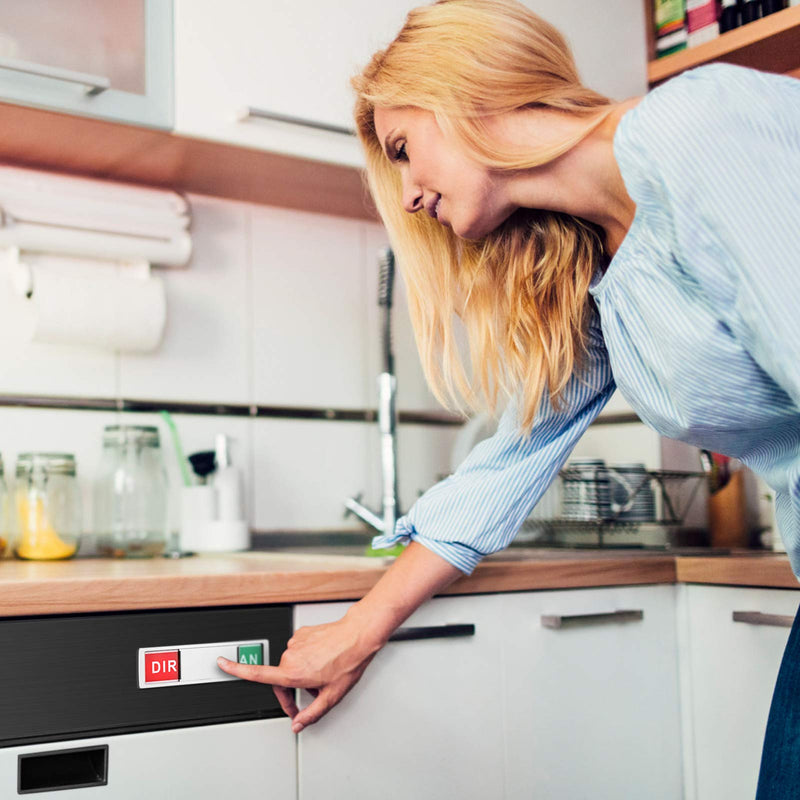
[329, 659]
[416, 575]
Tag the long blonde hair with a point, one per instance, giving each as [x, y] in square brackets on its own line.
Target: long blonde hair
[521, 292]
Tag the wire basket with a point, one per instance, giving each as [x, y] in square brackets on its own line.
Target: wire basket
[594, 500]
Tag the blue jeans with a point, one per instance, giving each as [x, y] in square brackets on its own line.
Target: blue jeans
[779, 776]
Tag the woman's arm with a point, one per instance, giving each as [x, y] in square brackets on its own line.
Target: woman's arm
[329, 659]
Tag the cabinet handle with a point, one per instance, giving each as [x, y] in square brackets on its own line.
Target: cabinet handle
[432, 632]
[561, 620]
[757, 618]
[95, 83]
[248, 112]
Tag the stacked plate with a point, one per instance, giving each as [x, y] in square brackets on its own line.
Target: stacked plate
[586, 490]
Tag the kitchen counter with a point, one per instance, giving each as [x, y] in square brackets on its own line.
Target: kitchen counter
[95, 584]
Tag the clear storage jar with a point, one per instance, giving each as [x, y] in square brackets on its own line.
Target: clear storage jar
[131, 514]
[47, 501]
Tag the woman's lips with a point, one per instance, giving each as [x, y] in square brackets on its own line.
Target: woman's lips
[433, 208]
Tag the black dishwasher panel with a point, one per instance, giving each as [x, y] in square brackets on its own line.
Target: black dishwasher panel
[76, 676]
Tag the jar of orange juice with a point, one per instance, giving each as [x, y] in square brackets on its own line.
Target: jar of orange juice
[48, 507]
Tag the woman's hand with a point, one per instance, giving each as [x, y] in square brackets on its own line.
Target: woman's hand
[325, 660]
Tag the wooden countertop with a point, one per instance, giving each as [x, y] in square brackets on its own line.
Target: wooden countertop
[94, 584]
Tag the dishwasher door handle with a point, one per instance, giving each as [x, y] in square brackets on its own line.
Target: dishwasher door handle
[432, 632]
[759, 618]
[55, 770]
[556, 621]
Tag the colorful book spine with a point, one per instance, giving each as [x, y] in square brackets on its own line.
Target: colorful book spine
[671, 30]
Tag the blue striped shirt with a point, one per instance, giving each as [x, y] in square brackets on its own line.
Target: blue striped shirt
[697, 316]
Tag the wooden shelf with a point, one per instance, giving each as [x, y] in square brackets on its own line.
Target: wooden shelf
[771, 44]
[114, 151]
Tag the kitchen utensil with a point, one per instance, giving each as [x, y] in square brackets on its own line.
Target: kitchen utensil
[176, 443]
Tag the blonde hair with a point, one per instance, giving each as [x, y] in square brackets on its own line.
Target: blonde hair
[522, 290]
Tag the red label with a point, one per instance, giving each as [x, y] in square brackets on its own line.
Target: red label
[163, 666]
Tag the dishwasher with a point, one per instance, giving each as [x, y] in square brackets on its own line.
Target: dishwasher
[127, 705]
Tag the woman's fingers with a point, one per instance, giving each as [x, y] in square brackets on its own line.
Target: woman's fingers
[287, 700]
[316, 709]
[249, 672]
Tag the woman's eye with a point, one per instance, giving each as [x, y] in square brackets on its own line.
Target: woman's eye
[400, 153]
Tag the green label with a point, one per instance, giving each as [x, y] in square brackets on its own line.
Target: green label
[251, 654]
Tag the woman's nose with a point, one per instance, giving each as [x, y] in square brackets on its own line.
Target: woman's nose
[412, 197]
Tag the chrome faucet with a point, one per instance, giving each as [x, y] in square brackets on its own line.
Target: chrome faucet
[387, 411]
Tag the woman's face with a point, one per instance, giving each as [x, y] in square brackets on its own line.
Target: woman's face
[438, 177]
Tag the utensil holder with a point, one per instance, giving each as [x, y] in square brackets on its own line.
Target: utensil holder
[727, 514]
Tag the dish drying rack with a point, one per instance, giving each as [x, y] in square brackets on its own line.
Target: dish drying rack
[674, 492]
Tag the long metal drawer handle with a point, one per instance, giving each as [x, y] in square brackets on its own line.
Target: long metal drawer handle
[95, 83]
[560, 620]
[758, 618]
[432, 632]
[248, 112]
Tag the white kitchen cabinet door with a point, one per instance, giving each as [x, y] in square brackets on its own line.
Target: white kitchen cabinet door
[90, 57]
[424, 721]
[283, 57]
[728, 670]
[592, 707]
[243, 760]
[296, 59]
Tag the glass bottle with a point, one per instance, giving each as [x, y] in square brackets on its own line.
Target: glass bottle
[48, 507]
[131, 493]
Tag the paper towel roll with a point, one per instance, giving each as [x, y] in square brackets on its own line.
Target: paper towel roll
[96, 305]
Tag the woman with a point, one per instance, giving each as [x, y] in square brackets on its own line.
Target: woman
[651, 245]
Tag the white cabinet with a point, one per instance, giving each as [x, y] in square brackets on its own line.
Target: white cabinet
[592, 707]
[519, 710]
[728, 675]
[242, 760]
[426, 719]
[89, 57]
[295, 60]
[282, 57]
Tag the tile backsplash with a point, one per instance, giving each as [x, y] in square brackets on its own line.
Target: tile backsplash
[277, 307]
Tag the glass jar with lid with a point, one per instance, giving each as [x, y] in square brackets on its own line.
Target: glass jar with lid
[131, 514]
[48, 507]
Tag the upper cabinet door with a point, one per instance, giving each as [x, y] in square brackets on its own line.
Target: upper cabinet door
[277, 59]
[90, 57]
[276, 76]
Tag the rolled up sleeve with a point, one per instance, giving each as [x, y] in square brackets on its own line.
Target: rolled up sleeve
[480, 507]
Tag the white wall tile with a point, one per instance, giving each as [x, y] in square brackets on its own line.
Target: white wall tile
[412, 388]
[423, 459]
[623, 443]
[204, 356]
[197, 432]
[308, 309]
[304, 470]
[617, 404]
